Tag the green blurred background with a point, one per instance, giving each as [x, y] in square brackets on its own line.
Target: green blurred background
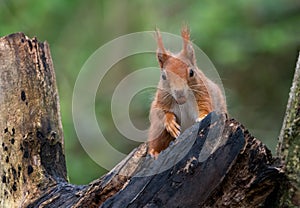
[254, 45]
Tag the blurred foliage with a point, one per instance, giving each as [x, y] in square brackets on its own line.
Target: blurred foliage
[253, 44]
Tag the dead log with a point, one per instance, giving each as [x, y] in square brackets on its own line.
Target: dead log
[215, 163]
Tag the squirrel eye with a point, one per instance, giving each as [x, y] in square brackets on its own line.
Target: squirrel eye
[191, 73]
[163, 76]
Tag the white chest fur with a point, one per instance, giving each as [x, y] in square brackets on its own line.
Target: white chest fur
[186, 113]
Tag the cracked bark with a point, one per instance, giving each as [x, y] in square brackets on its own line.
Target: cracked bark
[32, 158]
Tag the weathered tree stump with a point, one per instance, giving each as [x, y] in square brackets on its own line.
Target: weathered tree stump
[215, 163]
[31, 157]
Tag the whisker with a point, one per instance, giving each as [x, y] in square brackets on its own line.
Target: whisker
[197, 85]
[198, 91]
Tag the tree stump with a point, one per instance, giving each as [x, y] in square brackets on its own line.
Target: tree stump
[215, 163]
[31, 138]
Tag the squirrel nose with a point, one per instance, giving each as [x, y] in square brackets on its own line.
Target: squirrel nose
[179, 96]
[179, 93]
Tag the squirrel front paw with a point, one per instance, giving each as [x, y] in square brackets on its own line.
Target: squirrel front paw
[171, 125]
[153, 153]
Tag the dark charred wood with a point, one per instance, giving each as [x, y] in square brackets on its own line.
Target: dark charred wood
[228, 169]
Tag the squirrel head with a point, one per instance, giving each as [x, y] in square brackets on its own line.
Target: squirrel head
[178, 71]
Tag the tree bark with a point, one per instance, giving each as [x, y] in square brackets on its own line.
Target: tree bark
[289, 145]
[215, 163]
[31, 157]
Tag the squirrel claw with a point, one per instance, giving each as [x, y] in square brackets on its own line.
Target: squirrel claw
[154, 154]
[172, 126]
[173, 131]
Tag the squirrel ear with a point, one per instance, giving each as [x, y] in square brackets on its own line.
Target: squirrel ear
[161, 53]
[187, 50]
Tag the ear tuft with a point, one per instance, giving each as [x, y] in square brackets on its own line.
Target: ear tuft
[161, 53]
[187, 50]
[185, 33]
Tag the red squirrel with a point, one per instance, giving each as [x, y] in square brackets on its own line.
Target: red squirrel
[184, 95]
